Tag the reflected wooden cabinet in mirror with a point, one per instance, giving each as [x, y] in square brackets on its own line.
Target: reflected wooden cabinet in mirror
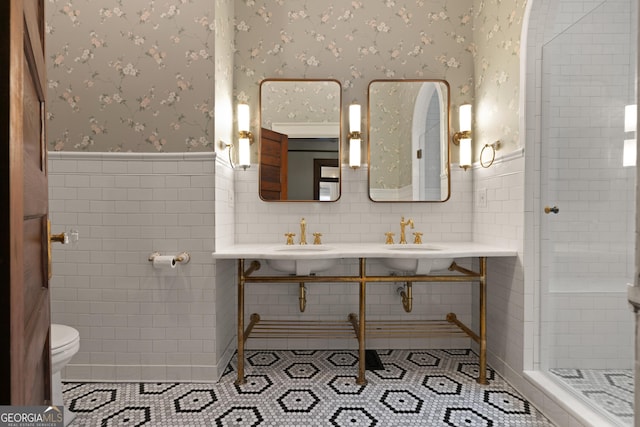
[300, 139]
[408, 141]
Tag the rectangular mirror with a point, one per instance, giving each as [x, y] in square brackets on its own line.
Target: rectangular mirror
[409, 141]
[299, 156]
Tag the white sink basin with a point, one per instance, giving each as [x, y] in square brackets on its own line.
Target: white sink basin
[414, 263]
[304, 265]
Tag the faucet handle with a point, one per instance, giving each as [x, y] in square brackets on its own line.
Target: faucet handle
[289, 237]
[389, 240]
[417, 238]
[316, 238]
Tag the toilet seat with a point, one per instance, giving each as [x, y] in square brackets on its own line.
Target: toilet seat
[63, 339]
[65, 343]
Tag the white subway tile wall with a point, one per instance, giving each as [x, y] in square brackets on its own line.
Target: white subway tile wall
[354, 217]
[575, 321]
[139, 323]
[499, 220]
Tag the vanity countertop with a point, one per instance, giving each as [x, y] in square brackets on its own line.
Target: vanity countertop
[363, 250]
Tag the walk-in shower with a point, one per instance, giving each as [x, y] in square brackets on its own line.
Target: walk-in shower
[587, 230]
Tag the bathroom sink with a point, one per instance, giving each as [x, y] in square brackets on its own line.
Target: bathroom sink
[414, 263]
[307, 263]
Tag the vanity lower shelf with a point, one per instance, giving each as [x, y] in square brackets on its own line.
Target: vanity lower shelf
[450, 327]
[309, 329]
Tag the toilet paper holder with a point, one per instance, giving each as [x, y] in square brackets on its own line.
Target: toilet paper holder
[182, 257]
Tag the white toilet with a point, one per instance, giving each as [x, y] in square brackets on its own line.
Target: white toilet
[65, 343]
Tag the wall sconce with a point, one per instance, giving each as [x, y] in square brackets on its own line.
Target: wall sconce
[462, 138]
[629, 150]
[245, 137]
[355, 139]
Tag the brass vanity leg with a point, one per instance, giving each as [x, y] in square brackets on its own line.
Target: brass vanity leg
[482, 373]
[242, 336]
[240, 332]
[361, 380]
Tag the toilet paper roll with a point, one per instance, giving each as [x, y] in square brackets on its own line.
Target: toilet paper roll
[164, 261]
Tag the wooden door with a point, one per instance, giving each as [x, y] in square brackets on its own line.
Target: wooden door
[274, 148]
[25, 361]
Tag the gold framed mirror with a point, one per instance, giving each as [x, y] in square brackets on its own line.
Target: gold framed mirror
[408, 131]
[300, 140]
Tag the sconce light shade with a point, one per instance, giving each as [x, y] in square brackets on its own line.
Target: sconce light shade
[465, 118]
[245, 137]
[354, 118]
[629, 152]
[630, 117]
[355, 140]
[244, 118]
[462, 138]
[354, 153]
[465, 153]
[244, 152]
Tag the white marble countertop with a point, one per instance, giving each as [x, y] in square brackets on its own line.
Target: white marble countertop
[363, 250]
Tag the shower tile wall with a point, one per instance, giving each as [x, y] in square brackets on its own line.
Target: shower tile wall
[590, 330]
[585, 94]
[547, 19]
[136, 322]
[589, 252]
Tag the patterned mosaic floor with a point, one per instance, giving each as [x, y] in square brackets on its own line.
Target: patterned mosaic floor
[316, 388]
[610, 390]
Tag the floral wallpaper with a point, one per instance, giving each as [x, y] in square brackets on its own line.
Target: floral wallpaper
[223, 87]
[299, 102]
[391, 113]
[130, 75]
[354, 42]
[496, 54]
[139, 76]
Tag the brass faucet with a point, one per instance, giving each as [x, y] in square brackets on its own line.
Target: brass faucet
[303, 232]
[389, 239]
[289, 237]
[316, 238]
[403, 224]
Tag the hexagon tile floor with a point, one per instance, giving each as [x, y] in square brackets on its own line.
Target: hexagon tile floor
[316, 388]
[609, 389]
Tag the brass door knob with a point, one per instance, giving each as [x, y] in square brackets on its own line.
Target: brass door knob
[71, 237]
[548, 210]
[60, 238]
